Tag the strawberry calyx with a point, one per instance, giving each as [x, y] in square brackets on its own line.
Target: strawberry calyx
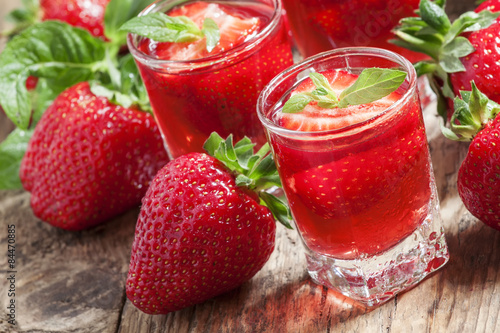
[472, 111]
[371, 85]
[433, 34]
[253, 172]
[179, 29]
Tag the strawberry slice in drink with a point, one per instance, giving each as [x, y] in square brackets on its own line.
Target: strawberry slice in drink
[233, 31]
[315, 118]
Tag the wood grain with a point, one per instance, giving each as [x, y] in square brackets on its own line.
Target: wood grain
[74, 282]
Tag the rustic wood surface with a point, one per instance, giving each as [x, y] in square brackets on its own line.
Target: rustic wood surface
[75, 282]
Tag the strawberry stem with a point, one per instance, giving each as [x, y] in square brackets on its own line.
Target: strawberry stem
[255, 172]
[472, 110]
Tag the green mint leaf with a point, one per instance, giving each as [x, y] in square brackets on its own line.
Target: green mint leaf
[297, 103]
[127, 88]
[52, 50]
[371, 85]
[163, 28]
[278, 207]
[323, 86]
[212, 33]
[117, 13]
[435, 16]
[12, 150]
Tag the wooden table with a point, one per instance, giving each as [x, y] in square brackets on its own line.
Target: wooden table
[75, 282]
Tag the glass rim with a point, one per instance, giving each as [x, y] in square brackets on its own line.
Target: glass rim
[224, 58]
[307, 64]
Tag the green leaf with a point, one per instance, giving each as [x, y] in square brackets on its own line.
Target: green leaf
[451, 64]
[371, 85]
[52, 50]
[323, 86]
[417, 44]
[255, 172]
[279, 208]
[297, 103]
[163, 28]
[458, 47]
[212, 33]
[424, 67]
[12, 150]
[434, 15]
[127, 89]
[117, 13]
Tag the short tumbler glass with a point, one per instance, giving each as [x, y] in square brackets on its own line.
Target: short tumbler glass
[363, 197]
[193, 98]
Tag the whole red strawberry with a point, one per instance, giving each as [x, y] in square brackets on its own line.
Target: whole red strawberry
[86, 14]
[476, 120]
[89, 159]
[199, 232]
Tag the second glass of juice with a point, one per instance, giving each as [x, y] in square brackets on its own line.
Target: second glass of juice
[359, 179]
[194, 92]
[321, 25]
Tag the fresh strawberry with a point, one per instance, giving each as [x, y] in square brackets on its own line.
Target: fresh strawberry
[89, 160]
[201, 231]
[86, 14]
[461, 51]
[476, 120]
[43, 59]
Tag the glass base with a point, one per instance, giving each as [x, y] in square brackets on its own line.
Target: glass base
[376, 279]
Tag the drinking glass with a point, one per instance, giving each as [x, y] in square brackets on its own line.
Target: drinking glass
[363, 196]
[193, 98]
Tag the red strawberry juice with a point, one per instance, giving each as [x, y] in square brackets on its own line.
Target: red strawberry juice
[320, 25]
[193, 92]
[363, 196]
[358, 178]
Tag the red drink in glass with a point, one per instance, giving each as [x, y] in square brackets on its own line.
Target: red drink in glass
[359, 200]
[321, 25]
[193, 92]
[358, 179]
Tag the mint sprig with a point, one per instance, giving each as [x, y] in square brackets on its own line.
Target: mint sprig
[371, 85]
[163, 28]
[255, 172]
